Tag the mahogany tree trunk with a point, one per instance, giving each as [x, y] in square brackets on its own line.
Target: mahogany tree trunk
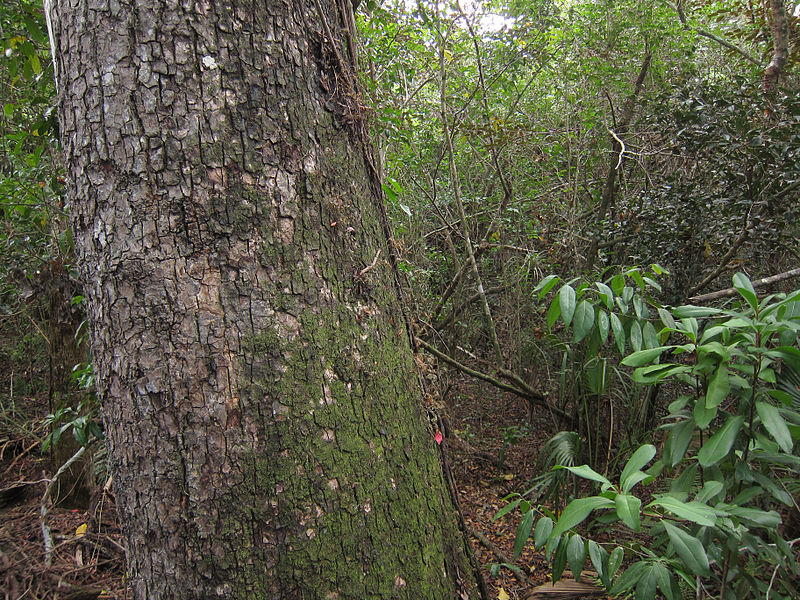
[265, 428]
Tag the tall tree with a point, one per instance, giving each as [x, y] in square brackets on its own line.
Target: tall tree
[265, 428]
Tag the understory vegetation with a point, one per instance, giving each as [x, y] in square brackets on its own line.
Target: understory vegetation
[595, 209]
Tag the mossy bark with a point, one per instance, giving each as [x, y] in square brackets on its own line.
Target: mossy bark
[264, 422]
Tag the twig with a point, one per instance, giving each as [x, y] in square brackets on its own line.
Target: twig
[370, 266]
[20, 456]
[46, 535]
[622, 148]
[523, 579]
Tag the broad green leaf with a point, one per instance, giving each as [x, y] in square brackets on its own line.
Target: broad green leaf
[560, 559]
[619, 332]
[587, 472]
[553, 313]
[773, 422]
[664, 580]
[546, 284]
[584, 320]
[636, 335]
[643, 357]
[754, 516]
[523, 532]
[576, 555]
[718, 387]
[719, 445]
[702, 415]
[655, 373]
[637, 278]
[646, 588]
[544, 527]
[710, 489]
[629, 578]
[695, 512]
[603, 324]
[745, 289]
[577, 511]
[566, 300]
[628, 507]
[689, 549]
[614, 561]
[649, 335]
[666, 318]
[636, 462]
[680, 436]
[606, 294]
[599, 557]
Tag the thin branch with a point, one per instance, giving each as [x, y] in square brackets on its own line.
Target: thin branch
[714, 37]
[46, 535]
[534, 398]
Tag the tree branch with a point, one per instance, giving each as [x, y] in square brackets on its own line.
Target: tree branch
[758, 283]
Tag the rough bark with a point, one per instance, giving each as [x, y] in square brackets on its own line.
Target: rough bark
[264, 425]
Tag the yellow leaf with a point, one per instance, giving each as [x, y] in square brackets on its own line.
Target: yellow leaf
[507, 476]
[81, 530]
[503, 595]
[707, 250]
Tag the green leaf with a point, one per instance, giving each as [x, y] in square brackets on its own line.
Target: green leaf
[523, 532]
[650, 335]
[773, 422]
[619, 332]
[544, 527]
[702, 415]
[603, 324]
[646, 588]
[577, 511]
[628, 507]
[695, 512]
[587, 472]
[606, 294]
[599, 558]
[637, 277]
[745, 289]
[719, 445]
[614, 561]
[689, 310]
[680, 436]
[566, 300]
[655, 373]
[553, 313]
[689, 549]
[576, 555]
[629, 578]
[507, 509]
[560, 559]
[636, 335]
[664, 580]
[710, 489]
[635, 463]
[718, 387]
[666, 318]
[643, 357]
[584, 319]
[546, 284]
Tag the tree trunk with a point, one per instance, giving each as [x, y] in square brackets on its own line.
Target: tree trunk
[264, 421]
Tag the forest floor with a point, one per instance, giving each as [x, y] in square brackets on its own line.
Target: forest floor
[87, 559]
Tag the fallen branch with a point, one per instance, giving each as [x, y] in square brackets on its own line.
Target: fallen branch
[758, 283]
